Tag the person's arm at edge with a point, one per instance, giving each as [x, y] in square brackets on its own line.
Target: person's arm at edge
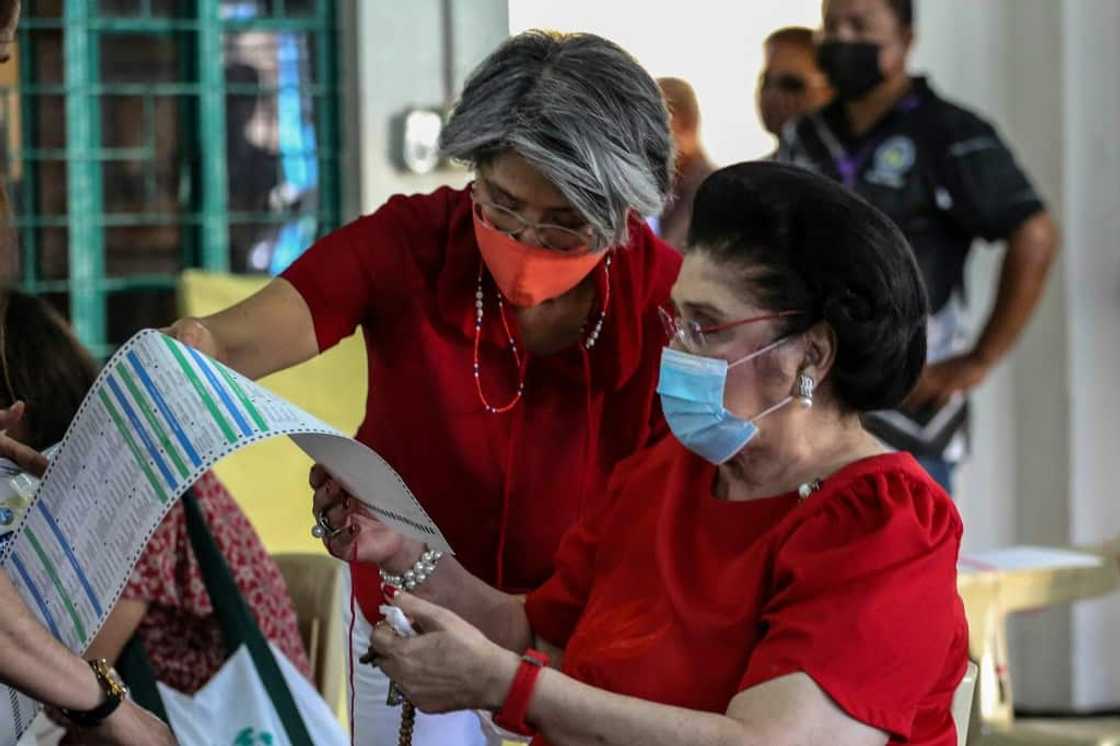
[32, 661]
[790, 710]
[119, 627]
[1031, 250]
[41, 667]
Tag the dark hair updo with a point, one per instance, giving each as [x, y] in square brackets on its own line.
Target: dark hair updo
[807, 244]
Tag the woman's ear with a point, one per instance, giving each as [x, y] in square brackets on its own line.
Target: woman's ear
[820, 351]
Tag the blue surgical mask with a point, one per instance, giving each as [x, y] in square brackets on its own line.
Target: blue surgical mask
[691, 389]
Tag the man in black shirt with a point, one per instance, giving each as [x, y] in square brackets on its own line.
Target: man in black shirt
[946, 178]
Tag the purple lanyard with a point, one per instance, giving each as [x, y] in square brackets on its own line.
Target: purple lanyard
[849, 166]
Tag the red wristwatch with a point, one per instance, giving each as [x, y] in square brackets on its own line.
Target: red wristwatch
[512, 715]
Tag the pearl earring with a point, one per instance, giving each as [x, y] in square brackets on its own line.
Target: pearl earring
[805, 386]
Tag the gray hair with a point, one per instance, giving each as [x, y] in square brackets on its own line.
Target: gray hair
[583, 112]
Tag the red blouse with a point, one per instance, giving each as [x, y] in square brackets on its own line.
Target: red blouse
[502, 488]
[179, 631]
[674, 596]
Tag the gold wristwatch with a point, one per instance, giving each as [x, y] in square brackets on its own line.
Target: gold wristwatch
[115, 692]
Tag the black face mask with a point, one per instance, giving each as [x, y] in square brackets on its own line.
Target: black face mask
[851, 66]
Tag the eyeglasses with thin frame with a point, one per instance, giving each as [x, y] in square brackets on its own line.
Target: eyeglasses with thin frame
[549, 235]
[694, 337]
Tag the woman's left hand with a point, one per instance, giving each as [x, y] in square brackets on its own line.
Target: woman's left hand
[27, 458]
[449, 665]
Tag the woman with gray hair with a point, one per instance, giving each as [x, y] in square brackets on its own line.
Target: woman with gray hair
[512, 326]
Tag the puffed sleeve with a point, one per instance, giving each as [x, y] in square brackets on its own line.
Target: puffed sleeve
[372, 267]
[864, 600]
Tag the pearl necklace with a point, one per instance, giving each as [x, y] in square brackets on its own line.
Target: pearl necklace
[808, 488]
[479, 306]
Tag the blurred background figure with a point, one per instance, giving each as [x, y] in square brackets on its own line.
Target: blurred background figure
[946, 178]
[692, 166]
[254, 171]
[791, 84]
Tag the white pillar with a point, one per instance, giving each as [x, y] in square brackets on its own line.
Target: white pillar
[399, 53]
[1091, 150]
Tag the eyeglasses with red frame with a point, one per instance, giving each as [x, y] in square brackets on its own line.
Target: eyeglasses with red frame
[693, 337]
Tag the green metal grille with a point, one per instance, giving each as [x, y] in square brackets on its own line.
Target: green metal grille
[159, 135]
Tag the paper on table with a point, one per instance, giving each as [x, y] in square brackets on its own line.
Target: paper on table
[159, 415]
[1028, 558]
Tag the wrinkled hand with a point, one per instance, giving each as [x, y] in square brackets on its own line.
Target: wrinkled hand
[194, 333]
[449, 666]
[939, 381]
[363, 538]
[130, 724]
[25, 457]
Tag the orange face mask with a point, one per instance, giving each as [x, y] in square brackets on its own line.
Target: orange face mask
[527, 275]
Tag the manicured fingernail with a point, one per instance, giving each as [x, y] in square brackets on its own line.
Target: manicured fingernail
[389, 591]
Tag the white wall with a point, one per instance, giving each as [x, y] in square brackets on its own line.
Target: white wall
[715, 45]
[1091, 99]
[394, 60]
[1016, 486]
[1047, 432]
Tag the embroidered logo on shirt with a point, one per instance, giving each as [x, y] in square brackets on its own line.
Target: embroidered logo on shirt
[892, 161]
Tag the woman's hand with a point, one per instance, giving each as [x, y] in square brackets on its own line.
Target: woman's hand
[939, 381]
[194, 333]
[360, 537]
[25, 457]
[449, 666]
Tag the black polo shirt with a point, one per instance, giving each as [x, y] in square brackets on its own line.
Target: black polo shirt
[941, 173]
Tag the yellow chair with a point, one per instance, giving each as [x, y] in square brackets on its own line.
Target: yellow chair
[962, 702]
[315, 585]
[989, 596]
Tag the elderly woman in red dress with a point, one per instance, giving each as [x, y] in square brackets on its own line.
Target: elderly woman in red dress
[770, 575]
[511, 327]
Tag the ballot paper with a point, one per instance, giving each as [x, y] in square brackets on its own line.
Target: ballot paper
[159, 415]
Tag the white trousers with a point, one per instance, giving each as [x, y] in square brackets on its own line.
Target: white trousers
[377, 724]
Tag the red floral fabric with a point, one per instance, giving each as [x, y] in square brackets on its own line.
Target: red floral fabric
[179, 630]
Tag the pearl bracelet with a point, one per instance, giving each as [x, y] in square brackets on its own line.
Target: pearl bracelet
[420, 571]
